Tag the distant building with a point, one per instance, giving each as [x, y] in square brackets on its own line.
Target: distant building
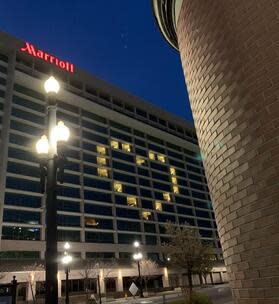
[131, 167]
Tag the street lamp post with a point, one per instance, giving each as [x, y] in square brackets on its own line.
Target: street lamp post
[50, 162]
[137, 257]
[66, 260]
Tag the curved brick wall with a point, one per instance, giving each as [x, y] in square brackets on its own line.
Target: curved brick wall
[230, 55]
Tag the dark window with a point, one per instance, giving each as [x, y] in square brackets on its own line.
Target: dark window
[197, 186]
[168, 208]
[29, 104]
[20, 216]
[95, 137]
[128, 213]
[123, 156]
[183, 191]
[120, 136]
[124, 178]
[206, 233]
[150, 240]
[206, 205]
[156, 148]
[142, 171]
[139, 133]
[174, 147]
[97, 196]
[71, 179]
[120, 126]
[28, 92]
[94, 127]
[176, 163]
[100, 255]
[23, 169]
[141, 112]
[72, 166]
[141, 152]
[184, 211]
[3, 69]
[146, 204]
[16, 199]
[22, 184]
[160, 176]
[161, 186]
[201, 213]
[89, 146]
[89, 158]
[195, 177]
[139, 142]
[68, 235]
[67, 106]
[21, 140]
[153, 256]
[96, 183]
[28, 116]
[160, 167]
[193, 169]
[68, 192]
[71, 206]
[130, 190]
[203, 223]
[123, 167]
[124, 238]
[93, 116]
[183, 200]
[90, 170]
[20, 255]
[175, 155]
[97, 209]
[68, 220]
[20, 233]
[144, 182]
[98, 237]
[187, 221]
[165, 217]
[200, 195]
[128, 226]
[145, 192]
[15, 125]
[151, 228]
[120, 200]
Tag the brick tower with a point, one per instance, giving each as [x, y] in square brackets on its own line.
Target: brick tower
[230, 56]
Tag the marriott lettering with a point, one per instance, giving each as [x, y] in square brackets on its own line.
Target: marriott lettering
[31, 50]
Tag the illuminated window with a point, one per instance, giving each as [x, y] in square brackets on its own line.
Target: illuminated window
[146, 215]
[161, 158]
[174, 180]
[102, 172]
[131, 201]
[158, 206]
[114, 144]
[117, 187]
[140, 161]
[175, 189]
[151, 155]
[101, 150]
[91, 222]
[172, 171]
[101, 161]
[166, 196]
[126, 147]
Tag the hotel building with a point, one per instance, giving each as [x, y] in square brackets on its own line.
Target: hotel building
[131, 168]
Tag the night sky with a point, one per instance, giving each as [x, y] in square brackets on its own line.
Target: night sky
[116, 40]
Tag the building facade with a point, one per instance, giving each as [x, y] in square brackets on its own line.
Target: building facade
[229, 53]
[131, 167]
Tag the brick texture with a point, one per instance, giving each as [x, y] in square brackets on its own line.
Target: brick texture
[230, 55]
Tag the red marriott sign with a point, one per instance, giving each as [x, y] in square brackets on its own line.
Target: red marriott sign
[31, 50]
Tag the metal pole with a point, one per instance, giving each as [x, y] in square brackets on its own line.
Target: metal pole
[67, 301]
[140, 281]
[51, 221]
[14, 290]
[99, 289]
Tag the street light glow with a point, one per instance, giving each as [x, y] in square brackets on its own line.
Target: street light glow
[42, 145]
[60, 132]
[67, 259]
[137, 256]
[136, 244]
[51, 85]
[67, 246]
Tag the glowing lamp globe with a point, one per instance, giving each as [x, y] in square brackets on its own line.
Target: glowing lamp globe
[42, 145]
[61, 132]
[67, 246]
[52, 85]
[67, 259]
[136, 244]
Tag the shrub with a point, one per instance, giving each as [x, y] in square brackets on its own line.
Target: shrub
[200, 298]
[197, 298]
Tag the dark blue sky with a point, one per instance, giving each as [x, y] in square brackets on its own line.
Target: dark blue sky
[116, 40]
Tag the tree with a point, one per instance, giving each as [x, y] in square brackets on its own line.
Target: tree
[96, 269]
[148, 269]
[33, 274]
[187, 251]
[207, 261]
